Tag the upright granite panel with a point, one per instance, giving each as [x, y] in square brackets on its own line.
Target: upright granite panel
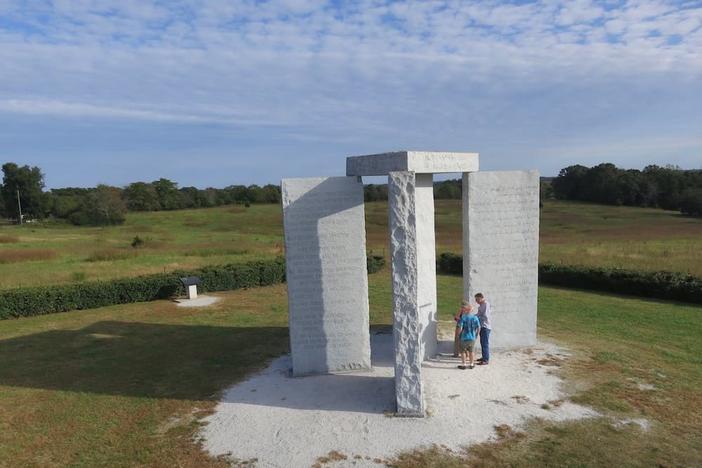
[501, 250]
[406, 321]
[426, 263]
[325, 251]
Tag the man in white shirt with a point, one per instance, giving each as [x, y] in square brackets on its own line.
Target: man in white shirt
[485, 328]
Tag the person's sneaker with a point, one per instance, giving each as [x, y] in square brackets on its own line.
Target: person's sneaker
[483, 363]
[480, 359]
[471, 366]
[462, 367]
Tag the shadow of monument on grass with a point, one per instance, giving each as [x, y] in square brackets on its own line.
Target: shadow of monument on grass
[188, 362]
[137, 359]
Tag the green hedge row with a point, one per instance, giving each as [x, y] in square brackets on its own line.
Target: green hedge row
[656, 284]
[25, 302]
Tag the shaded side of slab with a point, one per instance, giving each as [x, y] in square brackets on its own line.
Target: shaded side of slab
[327, 280]
[426, 263]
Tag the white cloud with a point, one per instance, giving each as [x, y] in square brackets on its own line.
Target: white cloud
[389, 72]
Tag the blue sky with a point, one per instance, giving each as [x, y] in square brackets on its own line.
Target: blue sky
[213, 93]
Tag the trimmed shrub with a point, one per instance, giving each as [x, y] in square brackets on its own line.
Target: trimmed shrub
[375, 263]
[449, 264]
[655, 284]
[25, 302]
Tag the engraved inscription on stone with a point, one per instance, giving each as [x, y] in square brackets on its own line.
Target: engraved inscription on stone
[326, 274]
[501, 250]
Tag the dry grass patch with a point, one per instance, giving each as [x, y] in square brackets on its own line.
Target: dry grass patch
[9, 239]
[194, 223]
[26, 255]
[110, 255]
[214, 252]
[331, 457]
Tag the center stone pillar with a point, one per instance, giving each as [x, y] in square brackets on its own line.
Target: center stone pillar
[413, 250]
[411, 221]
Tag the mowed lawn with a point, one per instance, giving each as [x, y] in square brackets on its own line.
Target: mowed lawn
[125, 385]
[571, 233]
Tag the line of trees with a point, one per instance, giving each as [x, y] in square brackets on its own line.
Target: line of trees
[107, 205]
[669, 187]
[665, 187]
[443, 190]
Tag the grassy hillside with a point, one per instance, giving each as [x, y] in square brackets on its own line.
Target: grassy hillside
[123, 385]
[571, 233]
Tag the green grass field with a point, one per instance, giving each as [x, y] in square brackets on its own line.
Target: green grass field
[571, 233]
[124, 385]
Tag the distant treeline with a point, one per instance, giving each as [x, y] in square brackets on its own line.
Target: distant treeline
[668, 187]
[443, 190]
[105, 205]
[665, 187]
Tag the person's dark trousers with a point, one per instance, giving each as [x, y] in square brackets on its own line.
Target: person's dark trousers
[485, 343]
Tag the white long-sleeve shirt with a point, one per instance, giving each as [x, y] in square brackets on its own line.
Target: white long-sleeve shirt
[484, 315]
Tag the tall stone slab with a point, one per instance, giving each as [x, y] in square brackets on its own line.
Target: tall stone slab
[407, 330]
[501, 250]
[426, 263]
[325, 251]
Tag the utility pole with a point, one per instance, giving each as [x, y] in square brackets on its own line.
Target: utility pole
[19, 205]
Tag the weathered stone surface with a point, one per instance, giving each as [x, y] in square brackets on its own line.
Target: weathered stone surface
[501, 250]
[422, 162]
[426, 263]
[405, 306]
[327, 280]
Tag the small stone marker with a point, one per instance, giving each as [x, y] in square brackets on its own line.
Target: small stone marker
[190, 283]
[501, 250]
[325, 250]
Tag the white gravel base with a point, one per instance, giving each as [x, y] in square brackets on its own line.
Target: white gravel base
[290, 422]
[201, 301]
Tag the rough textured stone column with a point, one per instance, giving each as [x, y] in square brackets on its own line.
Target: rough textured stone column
[406, 323]
[501, 250]
[426, 263]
